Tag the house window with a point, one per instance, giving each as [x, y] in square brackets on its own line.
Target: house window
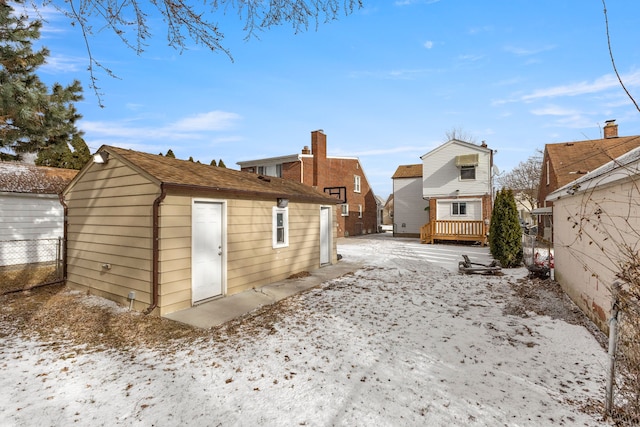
[459, 208]
[359, 211]
[273, 170]
[356, 184]
[345, 209]
[280, 227]
[467, 172]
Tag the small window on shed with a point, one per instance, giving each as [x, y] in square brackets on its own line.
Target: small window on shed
[280, 227]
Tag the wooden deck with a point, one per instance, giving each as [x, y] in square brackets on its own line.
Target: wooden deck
[471, 231]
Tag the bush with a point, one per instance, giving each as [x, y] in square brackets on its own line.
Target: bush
[505, 233]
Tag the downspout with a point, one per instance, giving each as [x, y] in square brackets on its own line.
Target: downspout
[64, 236]
[301, 169]
[155, 251]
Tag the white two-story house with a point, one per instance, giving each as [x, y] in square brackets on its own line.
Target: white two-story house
[452, 198]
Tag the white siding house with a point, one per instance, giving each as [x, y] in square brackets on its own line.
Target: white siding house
[449, 196]
[596, 232]
[30, 212]
[457, 169]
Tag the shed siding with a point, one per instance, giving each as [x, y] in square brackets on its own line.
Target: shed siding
[251, 259]
[110, 221]
[584, 271]
[408, 207]
[175, 253]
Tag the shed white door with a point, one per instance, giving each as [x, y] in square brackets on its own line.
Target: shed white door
[206, 250]
[325, 235]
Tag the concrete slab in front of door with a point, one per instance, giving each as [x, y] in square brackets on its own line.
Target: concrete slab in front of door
[219, 311]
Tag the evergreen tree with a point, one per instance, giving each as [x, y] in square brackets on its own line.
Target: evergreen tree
[213, 163]
[61, 156]
[170, 154]
[191, 159]
[505, 234]
[221, 164]
[31, 117]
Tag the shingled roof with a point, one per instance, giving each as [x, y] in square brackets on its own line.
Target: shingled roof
[408, 171]
[181, 173]
[27, 178]
[569, 160]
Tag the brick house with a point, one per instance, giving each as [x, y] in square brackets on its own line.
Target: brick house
[342, 177]
[565, 162]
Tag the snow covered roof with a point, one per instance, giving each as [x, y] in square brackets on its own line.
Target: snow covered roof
[26, 178]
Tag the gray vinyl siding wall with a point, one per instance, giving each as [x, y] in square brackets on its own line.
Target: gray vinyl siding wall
[110, 221]
[408, 207]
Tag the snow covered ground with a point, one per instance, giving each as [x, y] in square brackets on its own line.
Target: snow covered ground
[405, 341]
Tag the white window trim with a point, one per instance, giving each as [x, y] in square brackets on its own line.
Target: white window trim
[275, 212]
[356, 183]
[344, 209]
[359, 211]
[459, 204]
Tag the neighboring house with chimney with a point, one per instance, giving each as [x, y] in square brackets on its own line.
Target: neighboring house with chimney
[341, 177]
[565, 162]
[446, 197]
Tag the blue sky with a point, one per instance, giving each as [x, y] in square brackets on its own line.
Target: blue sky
[385, 83]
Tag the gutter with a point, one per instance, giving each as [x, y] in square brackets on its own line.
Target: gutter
[249, 194]
[155, 280]
[65, 221]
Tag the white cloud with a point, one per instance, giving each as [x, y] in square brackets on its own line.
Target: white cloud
[190, 128]
[553, 110]
[64, 64]
[428, 44]
[520, 51]
[212, 120]
[470, 57]
[600, 84]
[478, 30]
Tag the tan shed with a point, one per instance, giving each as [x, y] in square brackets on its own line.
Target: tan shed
[168, 234]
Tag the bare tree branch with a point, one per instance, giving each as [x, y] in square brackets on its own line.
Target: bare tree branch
[613, 62]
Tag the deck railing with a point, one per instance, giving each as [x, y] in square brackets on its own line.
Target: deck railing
[454, 230]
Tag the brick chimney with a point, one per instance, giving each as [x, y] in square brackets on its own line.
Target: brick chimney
[610, 129]
[319, 151]
[306, 150]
